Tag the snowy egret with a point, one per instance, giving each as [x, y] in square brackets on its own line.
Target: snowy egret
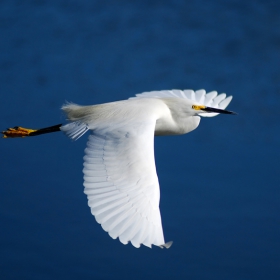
[120, 176]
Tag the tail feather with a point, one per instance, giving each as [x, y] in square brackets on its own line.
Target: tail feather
[74, 130]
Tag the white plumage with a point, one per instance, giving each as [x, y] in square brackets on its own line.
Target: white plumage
[120, 176]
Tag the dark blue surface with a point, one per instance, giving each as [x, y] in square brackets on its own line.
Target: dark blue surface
[219, 184]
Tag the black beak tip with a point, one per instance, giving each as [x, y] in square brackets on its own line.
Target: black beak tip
[230, 112]
[220, 111]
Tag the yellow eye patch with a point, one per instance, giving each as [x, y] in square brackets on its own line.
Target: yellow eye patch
[198, 107]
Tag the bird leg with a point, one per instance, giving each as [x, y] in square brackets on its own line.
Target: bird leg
[18, 131]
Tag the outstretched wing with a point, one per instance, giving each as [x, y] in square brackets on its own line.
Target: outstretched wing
[121, 183]
[210, 99]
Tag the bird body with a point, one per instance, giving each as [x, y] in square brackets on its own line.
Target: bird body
[169, 116]
[120, 177]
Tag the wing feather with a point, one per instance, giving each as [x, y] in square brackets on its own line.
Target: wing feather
[210, 99]
[200, 96]
[112, 216]
[121, 183]
[225, 102]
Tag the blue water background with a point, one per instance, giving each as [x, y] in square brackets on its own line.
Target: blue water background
[219, 184]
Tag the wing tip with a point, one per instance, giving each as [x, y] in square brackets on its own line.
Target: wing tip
[167, 245]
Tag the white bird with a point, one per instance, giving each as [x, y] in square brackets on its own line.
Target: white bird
[120, 176]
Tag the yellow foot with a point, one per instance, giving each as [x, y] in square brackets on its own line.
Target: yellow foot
[17, 131]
